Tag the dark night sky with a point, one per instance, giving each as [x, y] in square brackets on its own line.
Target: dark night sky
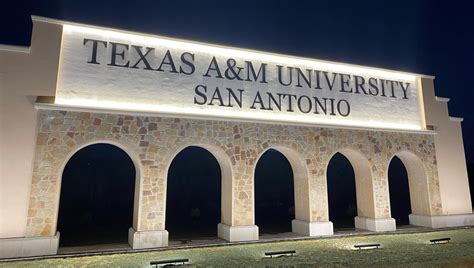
[431, 37]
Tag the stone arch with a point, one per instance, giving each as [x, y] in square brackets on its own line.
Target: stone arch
[365, 195]
[418, 183]
[226, 178]
[300, 181]
[138, 177]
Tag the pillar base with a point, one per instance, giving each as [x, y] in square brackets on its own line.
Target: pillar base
[314, 228]
[376, 225]
[29, 246]
[147, 239]
[237, 233]
[442, 221]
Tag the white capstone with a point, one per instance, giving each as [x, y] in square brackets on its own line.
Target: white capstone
[237, 233]
[376, 225]
[147, 239]
[314, 228]
[29, 246]
[442, 221]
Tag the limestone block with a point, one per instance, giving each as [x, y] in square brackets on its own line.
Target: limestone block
[315, 228]
[147, 239]
[376, 225]
[29, 246]
[237, 233]
[442, 221]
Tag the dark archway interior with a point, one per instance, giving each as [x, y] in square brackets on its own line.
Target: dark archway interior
[341, 192]
[400, 205]
[274, 193]
[193, 206]
[97, 194]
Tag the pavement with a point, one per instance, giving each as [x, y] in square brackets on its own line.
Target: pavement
[119, 248]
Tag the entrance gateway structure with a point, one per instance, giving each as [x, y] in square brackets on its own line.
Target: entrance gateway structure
[152, 96]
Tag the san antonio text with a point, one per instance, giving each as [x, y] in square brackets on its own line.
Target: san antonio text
[283, 102]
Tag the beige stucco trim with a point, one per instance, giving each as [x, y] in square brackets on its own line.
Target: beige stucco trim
[26, 72]
[421, 104]
[450, 158]
[456, 119]
[13, 48]
[442, 99]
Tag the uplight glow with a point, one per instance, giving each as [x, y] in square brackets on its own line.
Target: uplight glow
[173, 110]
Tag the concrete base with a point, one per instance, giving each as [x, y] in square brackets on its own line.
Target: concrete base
[237, 233]
[376, 225]
[147, 239]
[442, 221]
[315, 228]
[29, 246]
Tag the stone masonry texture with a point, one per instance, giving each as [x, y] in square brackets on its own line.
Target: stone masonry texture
[153, 142]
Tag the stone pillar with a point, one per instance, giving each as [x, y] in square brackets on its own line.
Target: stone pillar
[318, 223]
[148, 229]
[238, 223]
[311, 198]
[373, 199]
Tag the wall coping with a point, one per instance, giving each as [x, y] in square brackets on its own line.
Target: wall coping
[14, 48]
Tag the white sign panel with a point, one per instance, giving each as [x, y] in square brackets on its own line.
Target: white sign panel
[123, 71]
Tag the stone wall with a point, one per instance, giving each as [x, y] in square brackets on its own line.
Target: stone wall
[152, 143]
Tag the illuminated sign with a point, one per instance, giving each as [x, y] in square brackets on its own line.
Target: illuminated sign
[129, 72]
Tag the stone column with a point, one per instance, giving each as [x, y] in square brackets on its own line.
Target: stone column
[311, 198]
[238, 222]
[318, 223]
[148, 229]
[373, 199]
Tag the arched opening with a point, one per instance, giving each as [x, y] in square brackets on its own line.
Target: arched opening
[342, 199]
[193, 206]
[419, 193]
[274, 193]
[399, 191]
[97, 195]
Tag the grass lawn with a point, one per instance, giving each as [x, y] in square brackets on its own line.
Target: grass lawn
[398, 250]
